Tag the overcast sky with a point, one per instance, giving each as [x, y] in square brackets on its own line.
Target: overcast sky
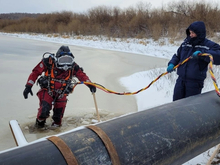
[77, 6]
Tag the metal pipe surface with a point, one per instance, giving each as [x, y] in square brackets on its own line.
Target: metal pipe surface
[169, 134]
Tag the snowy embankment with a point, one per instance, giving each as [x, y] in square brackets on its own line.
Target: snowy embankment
[161, 91]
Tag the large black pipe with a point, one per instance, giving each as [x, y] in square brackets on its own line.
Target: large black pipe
[169, 134]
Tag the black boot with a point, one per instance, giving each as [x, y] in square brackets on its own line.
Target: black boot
[40, 124]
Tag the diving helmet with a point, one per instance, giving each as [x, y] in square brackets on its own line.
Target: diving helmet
[64, 58]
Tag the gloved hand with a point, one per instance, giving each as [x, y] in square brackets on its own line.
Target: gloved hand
[92, 88]
[196, 54]
[27, 90]
[170, 68]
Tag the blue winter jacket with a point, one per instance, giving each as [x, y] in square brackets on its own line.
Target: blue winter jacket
[195, 69]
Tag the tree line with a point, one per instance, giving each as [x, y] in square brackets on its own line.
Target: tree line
[139, 21]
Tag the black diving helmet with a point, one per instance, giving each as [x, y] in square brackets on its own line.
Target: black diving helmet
[64, 58]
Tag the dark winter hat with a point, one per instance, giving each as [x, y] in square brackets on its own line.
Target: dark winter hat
[199, 28]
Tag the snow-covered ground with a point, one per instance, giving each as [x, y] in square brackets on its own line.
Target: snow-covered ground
[161, 91]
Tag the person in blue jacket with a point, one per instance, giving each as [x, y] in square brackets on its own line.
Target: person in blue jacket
[191, 75]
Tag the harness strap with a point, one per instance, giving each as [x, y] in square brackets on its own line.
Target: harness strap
[50, 73]
[64, 149]
[108, 144]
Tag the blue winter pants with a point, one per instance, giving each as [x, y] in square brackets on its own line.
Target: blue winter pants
[186, 88]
